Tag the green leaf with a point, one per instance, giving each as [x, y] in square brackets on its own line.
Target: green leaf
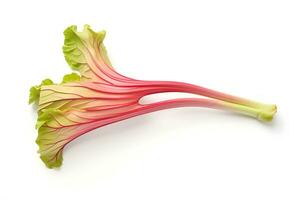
[46, 115]
[84, 51]
[73, 77]
[49, 146]
[34, 94]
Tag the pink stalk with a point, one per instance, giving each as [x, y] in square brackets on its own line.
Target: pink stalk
[141, 109]
[263, 112]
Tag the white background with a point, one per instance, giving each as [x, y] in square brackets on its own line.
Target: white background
[246, 48]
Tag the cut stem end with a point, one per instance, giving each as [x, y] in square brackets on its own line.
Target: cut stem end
[267, 114]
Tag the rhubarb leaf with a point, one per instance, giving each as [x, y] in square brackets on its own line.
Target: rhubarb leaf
[84, 52]
[34, 93]
[73, 77]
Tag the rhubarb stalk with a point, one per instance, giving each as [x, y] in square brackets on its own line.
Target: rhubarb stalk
[99, 96]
